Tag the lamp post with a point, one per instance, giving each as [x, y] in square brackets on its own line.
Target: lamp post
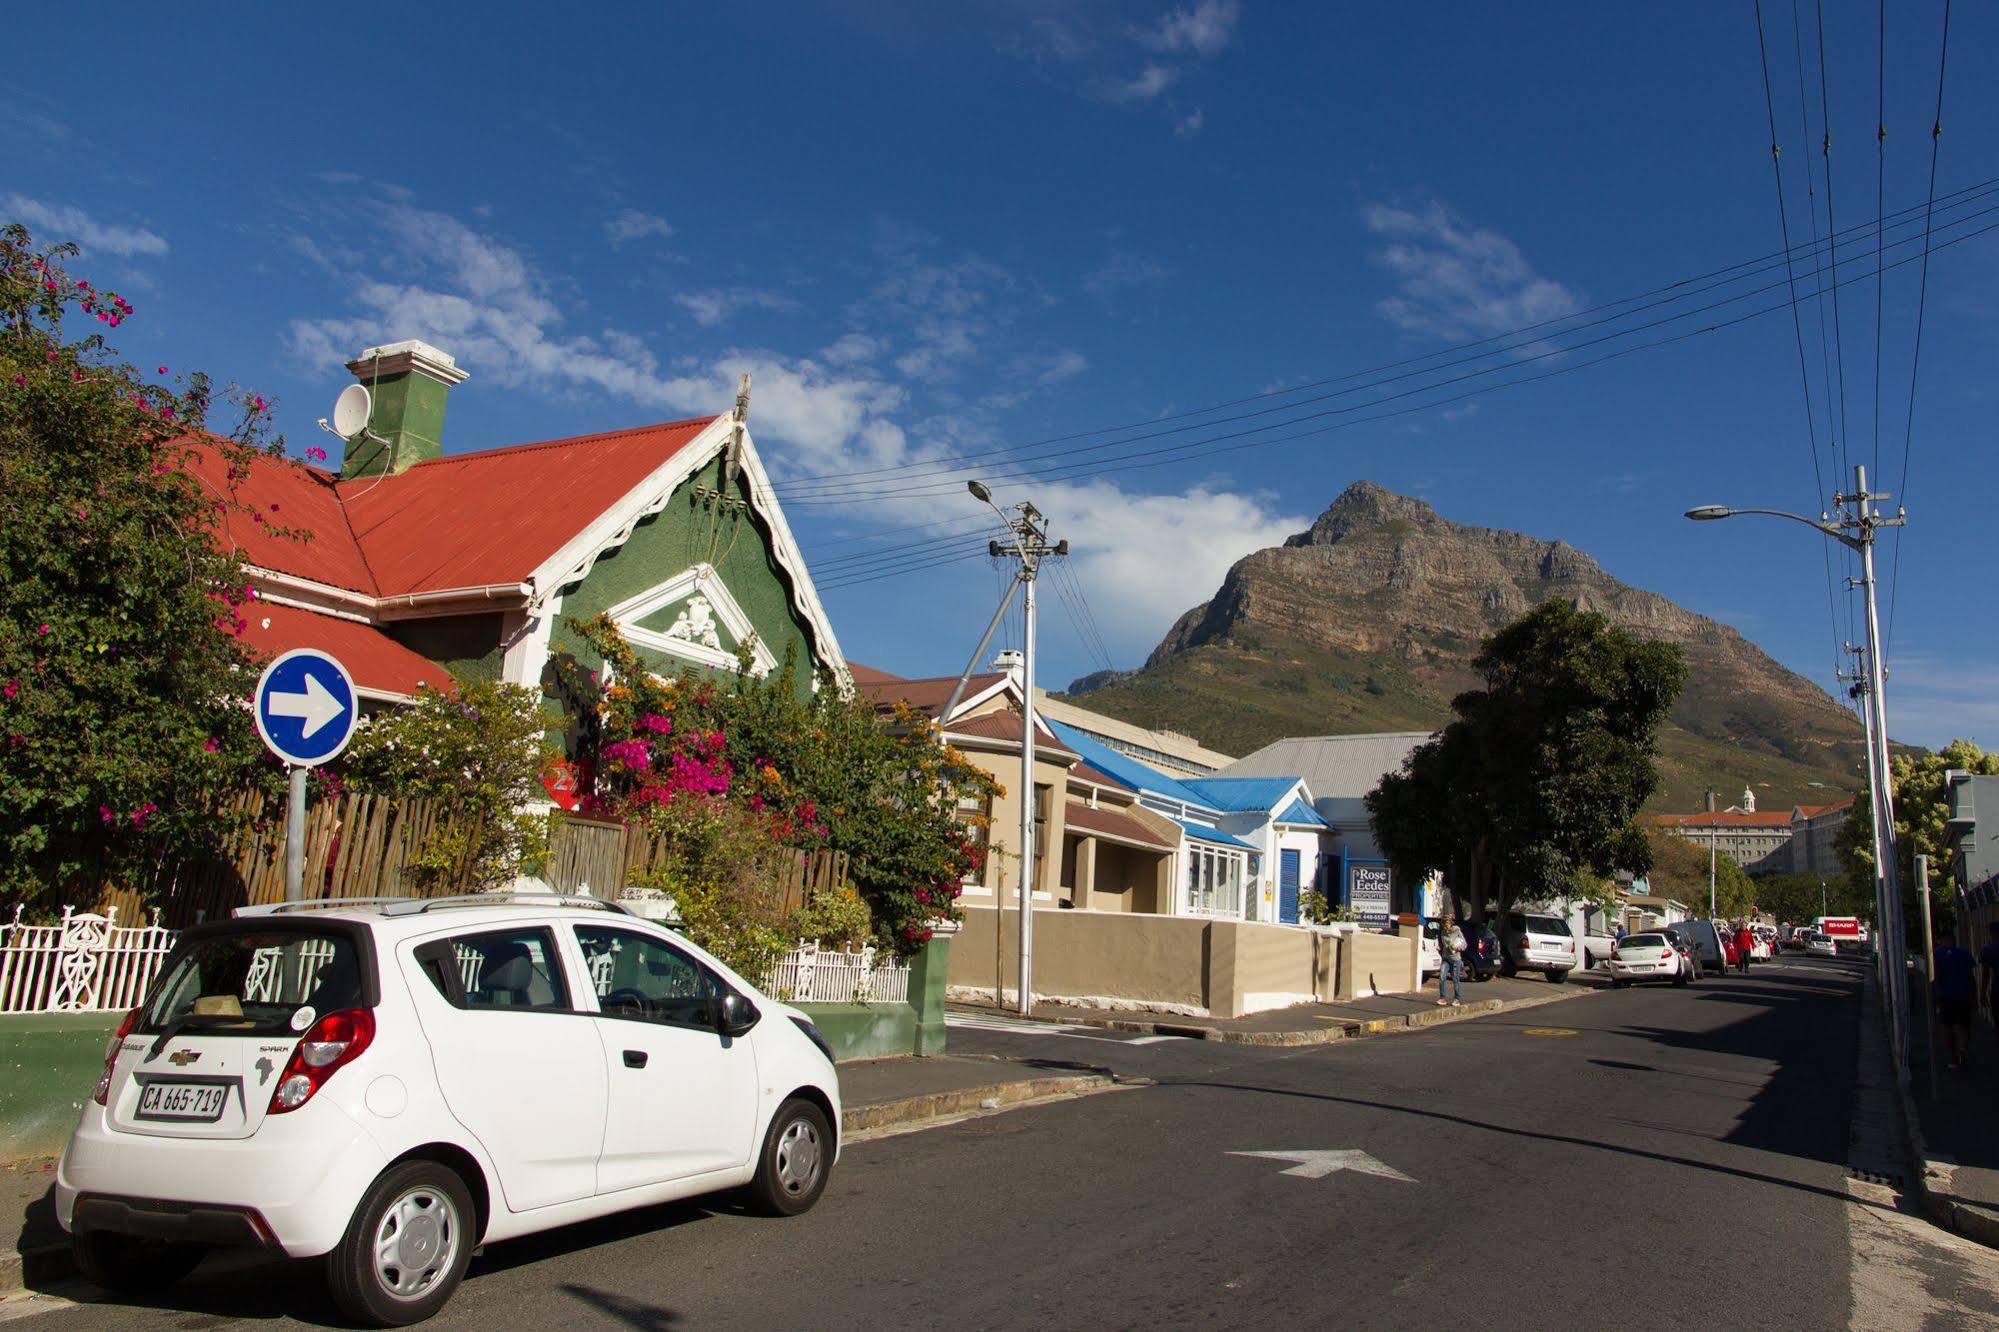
[1854, 527]
[1029, 532]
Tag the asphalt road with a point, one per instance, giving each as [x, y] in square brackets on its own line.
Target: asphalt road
[1626, 1158]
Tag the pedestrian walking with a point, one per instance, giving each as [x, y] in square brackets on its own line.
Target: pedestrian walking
[1450, 970]
[1745, 939]
[1956, 988]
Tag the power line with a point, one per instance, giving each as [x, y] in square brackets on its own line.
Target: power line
[901, 570]
[1832, 258]
[888, 531]
[1880, 200]
[982, 528]
[1202, 448]
[1922, 301]
[821, 483]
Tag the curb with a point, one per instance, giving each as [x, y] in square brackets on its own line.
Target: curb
[912, 1111]
[1332, 1032]
[1930, 1180]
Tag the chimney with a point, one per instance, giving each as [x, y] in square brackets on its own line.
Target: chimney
[409, 382]
[1010, 662]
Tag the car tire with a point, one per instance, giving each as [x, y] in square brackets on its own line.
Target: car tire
[406, 1248]
[1558, 978]
[1619, 984]
[1680, 978]
[796, 1160]
[128, 1264]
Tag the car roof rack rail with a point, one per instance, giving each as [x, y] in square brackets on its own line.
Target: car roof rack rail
[314, 904]
[412, 906]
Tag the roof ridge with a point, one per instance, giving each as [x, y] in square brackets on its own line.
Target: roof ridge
[475, 454]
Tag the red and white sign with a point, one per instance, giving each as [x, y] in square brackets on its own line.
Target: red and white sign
[1839, 927]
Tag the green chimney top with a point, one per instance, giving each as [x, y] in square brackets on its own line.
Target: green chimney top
[408, 382]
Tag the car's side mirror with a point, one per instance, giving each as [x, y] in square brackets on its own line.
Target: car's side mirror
[735, 1015]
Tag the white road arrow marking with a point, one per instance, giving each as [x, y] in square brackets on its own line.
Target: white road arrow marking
[1319, 1164]
[316, 706]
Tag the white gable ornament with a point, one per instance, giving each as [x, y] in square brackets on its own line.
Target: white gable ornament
[696, 632]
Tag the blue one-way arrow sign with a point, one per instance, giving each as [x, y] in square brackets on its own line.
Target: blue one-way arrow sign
[306, 707]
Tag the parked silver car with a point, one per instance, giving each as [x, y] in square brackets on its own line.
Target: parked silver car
[1533, 942]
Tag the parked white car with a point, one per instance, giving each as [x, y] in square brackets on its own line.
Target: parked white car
[1820, 944]
[391, 1084]
[1647, 957]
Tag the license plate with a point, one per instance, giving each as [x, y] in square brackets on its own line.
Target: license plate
[183, 1100]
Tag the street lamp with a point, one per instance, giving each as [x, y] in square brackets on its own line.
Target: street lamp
[1029, 537]
[1854, 528]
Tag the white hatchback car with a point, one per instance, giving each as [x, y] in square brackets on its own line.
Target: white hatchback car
[1646, 957]
[394, 1083]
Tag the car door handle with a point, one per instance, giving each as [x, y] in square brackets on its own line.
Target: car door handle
[635, 1059]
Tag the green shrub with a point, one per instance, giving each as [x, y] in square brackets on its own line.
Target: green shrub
[838, 919]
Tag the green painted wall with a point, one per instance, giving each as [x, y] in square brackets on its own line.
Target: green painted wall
[688, 531]
[409, 415]
[49, 1062]
[466, 645]
[865, 1031]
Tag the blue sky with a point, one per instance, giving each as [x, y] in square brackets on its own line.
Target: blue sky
[938, 230]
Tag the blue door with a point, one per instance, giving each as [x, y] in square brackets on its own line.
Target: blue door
[1287, 887]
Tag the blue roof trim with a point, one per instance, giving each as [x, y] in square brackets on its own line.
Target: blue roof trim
[1201, 834]
[1242, 795]
[1138, 776]
[1300, 812]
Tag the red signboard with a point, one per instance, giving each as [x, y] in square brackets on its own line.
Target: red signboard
[567, 783]
[1841, 927]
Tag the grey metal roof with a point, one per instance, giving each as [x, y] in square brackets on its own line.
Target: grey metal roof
[1335, 766]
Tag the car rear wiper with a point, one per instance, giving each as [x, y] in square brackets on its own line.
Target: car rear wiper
[181, 1024]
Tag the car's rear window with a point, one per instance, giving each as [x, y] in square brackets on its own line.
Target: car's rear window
[1546, 925]
[257, 983]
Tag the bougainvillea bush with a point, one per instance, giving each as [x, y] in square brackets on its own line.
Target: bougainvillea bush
[122, 679]
[478, 750]
[811, 769]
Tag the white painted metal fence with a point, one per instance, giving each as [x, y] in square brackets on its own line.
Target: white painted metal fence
[808, 975]
[82, 964]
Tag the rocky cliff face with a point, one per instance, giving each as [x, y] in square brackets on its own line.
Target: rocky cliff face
[1384, 603]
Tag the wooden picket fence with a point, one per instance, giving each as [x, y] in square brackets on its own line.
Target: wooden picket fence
[355, 846]
[605, 857]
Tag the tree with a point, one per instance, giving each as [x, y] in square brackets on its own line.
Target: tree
[478, 751]
[1680, 871]
[1804, 897]
[1542, 773]
[817, 768]
[122, 680]
[1922, 806]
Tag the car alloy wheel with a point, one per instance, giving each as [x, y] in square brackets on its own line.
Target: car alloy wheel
[799, 1154]
[406, 1248]
[415, 1243]
[796, 1160]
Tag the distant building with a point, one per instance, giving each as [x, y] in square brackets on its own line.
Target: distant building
[1972, 835]
[1814, 828]
[1798, 840]
[1170, 752]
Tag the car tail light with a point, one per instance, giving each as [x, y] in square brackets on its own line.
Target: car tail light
[103, 1093]
[334, 1040]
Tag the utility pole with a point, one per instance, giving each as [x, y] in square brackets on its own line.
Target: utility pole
[1029, 531]
[1713, 840]
[1853, 525]
[1929, 970]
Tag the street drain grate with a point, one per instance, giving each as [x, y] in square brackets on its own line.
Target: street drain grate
[1891, 1181]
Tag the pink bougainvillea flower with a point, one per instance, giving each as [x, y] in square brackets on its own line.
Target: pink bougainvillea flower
[163, 369]
[11, 689]
[106, 815]
[45, 629]
[212, 745]
[316, 453]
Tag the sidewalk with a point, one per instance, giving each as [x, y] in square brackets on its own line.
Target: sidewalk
[1321, 1024]
[1959, 1139]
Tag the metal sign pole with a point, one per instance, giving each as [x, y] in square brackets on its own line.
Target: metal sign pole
[295, 837]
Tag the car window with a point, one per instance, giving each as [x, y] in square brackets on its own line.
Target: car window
[253, 982]
[1645, 941]
[513, 969]
[638, 976]
[1545, 925]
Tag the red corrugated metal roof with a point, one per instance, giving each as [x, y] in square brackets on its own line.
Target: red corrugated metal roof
[375, 660]
[928, 696]
[1006, 726]
[464, 520]
[471, 519]
[1762, 818]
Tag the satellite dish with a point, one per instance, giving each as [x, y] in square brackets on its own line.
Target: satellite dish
[352, 410]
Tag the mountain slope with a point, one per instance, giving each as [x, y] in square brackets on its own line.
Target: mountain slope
[1369, 621]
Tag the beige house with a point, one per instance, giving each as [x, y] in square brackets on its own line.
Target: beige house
[1096, 848]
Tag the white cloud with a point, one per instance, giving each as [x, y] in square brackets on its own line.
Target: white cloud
[852, 349]
[1147, 559]
[629, 224]
[1934, 700]
[711, 307]
[1051, 39]
[483, 301]
[948, 311]
[1147, 84]
[1456, 280]
[1051, 367]
[1190, 125]
[62, 222]
[1202, 30]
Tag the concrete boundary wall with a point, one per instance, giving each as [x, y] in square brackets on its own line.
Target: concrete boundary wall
[1176, 964]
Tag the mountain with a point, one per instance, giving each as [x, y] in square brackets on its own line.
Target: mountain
[1369, 621]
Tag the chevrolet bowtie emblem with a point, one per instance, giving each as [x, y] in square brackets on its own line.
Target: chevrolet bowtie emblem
[182, 1058]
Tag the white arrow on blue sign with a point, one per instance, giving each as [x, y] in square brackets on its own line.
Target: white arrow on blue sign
[306, 707]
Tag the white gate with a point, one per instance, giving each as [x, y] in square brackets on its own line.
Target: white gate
[82, 964]
[806, 975]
